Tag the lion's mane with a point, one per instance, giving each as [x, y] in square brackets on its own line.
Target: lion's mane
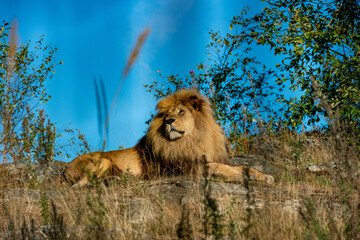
[184, 155]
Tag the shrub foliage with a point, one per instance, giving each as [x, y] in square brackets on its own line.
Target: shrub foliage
[25, 135]
[317, 44]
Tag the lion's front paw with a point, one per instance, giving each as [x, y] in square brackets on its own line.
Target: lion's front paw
[269, 179]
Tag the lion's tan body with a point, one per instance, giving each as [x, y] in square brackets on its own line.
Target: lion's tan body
[181, 135]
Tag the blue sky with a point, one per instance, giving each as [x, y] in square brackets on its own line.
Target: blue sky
[95, 38]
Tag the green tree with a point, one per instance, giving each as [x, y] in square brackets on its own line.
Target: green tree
[319, 43]
[23, 71]
[242, 90]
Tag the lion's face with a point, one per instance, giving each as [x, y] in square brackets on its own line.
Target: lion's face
[178, 122]
[183, 131]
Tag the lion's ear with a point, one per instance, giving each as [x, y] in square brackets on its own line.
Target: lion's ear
[196, 102]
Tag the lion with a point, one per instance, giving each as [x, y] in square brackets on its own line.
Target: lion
[182, 137]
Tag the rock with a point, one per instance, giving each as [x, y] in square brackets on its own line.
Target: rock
[257, 162]
[14, 168]
[270, 151]
[188, 203]
[291, 206]
[222, 189]
[318, 169]
[22, 193]
[25, 172]
[140, 210]
[49, 172]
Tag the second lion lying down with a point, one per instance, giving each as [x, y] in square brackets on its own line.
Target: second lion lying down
[180, 136]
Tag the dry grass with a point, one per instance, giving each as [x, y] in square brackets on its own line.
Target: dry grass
[300, 205]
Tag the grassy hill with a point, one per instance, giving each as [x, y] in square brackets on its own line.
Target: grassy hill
[315, 196]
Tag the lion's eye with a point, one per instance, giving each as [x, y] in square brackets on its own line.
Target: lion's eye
[182, 112]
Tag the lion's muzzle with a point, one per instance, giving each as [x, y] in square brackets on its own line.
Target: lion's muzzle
[172, 131]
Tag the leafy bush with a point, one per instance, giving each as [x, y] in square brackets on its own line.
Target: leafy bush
[23, 72]
[317, 42]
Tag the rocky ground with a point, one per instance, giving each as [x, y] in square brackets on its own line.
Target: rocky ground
[149, 201]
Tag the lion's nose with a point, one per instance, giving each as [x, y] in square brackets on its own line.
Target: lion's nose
[169, 121]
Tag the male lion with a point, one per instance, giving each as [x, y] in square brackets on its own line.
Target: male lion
[181, 135]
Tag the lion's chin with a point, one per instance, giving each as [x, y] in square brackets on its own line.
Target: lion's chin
[173, 134]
